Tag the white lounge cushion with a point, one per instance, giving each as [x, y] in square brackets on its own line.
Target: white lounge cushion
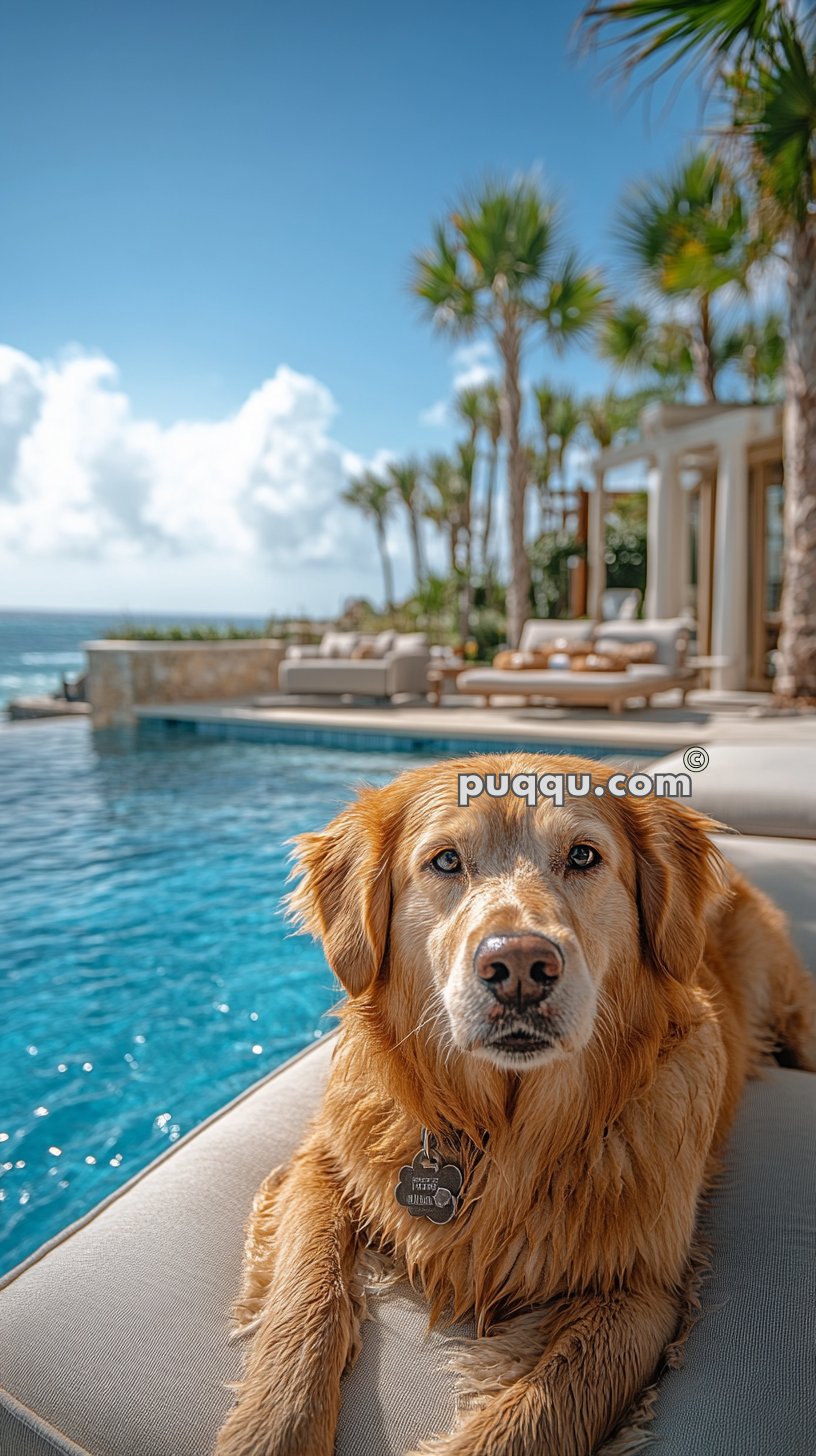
[405, 642]
[757, 789]
[565, 686]
[669, 635]
[367, 677]
[113, 1340]
[383, 642]
[338, 644]
[540, 632]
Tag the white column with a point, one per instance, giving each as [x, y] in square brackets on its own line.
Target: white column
[596, 545]
[729, 617]
[685, 600]
[664, 588]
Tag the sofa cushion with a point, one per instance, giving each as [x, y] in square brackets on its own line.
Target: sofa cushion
[640, 651]
[383, 642]
[537, 633]
[115, 1342]
[409, 642]
[113, 1339]
[764, 789]
[746, 1387]
[669, 635]
[786, 870]
[368, 679]
[566, 686]
[338, 644]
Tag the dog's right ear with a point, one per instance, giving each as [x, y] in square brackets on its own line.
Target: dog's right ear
[344, 892]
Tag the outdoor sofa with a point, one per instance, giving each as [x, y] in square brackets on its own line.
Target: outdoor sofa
[575, 689]
[114, 1337]
[384, 666]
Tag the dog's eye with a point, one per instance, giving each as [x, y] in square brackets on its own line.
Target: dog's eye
[583, 857]
[447, 862]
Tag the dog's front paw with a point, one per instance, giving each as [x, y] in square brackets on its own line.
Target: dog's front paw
[272, 1432]
[497, 1431]
[462, 1441]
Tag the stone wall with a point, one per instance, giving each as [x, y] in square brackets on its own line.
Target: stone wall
[123, 675]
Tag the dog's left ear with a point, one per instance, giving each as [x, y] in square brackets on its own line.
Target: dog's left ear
[680, 875]
[344, 891]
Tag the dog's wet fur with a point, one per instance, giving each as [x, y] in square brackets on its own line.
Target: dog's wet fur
[587, 1119]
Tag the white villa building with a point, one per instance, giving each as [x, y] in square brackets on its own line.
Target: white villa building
[714, 529]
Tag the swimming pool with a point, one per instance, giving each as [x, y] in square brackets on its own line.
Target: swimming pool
[145, 970]
[146, 973]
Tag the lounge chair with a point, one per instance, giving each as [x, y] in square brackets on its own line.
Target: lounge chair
[341, 646]
[574, 689]
[114, 1337]
[394, 663]
[620, 603]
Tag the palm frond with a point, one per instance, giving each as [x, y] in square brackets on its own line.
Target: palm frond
[659, 34]
[775, 107]
[404, 477]
[369, 494]
[508, 232]
[687, 231]
[573, 305]
[625, 337]
[439, 280]
[756, 349]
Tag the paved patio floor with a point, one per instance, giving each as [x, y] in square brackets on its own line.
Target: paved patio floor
[705, 718]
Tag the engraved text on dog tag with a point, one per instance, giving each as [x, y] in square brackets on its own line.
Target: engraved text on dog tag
[428, 1188]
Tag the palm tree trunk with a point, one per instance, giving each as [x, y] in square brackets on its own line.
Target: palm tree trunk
[492, 472]
[388, 574]
[704, 365]
[466, 586]
[796, 677]
[518, 592]
[416, 546]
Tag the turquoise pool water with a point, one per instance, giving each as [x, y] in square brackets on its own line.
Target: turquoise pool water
[146, 973]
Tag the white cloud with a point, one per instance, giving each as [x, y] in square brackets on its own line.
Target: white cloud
[437, 415]
[83, 478]
[473, 365]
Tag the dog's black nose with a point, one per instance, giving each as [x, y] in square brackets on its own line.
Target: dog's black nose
[520, 969]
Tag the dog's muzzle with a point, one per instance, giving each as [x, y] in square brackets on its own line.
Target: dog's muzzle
[521, 969]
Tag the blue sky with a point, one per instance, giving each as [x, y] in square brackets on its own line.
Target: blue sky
[205, 194]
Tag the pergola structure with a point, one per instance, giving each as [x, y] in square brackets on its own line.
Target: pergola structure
[708, 525]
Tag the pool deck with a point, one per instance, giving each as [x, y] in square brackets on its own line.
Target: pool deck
[706, 718]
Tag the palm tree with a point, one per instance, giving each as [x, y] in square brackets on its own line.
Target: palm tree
[469, 409]
[492, 415]
[756, 349]
[465, 466]
[494, 266]
[405, 479]
[369, 494]
[567, 418]
[560, 417]
[443, 506]
[449, 506]
[613, 415]
[761, 59]
[687, 236]
[635, 342]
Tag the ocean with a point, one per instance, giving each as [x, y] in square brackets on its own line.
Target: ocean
[37, 648]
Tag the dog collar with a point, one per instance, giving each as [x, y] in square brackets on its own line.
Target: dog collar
[427, 1187]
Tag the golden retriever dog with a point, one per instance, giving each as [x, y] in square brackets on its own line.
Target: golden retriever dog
[551, 1014]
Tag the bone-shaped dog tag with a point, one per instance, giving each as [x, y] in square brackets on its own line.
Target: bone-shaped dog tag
[429, 1189]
